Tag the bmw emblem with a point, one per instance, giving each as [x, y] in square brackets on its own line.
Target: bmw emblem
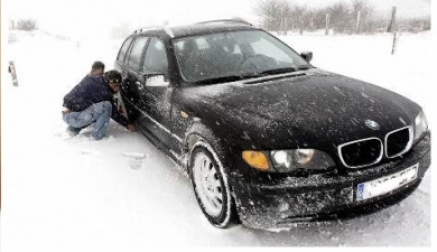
[372, 124]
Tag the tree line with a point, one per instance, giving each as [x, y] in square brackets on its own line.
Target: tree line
[355, 16]
[26, 24]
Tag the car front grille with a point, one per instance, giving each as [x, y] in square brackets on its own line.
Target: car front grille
[361, 153]
[398, 142]
[369, 151]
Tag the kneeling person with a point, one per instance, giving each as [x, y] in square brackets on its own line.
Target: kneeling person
[91, 101]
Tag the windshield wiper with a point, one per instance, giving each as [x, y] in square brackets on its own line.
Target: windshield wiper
[279, 71]
[285, 70]
[304, 67]
[251, 75]
[220, 79]
[272, 71]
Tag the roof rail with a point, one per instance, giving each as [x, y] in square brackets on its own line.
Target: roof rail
[236, 21]
[148, 28]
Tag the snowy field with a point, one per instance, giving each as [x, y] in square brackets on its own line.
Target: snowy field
[74, 194]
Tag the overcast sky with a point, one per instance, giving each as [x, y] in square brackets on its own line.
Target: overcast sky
[113, 12]
[94, 16]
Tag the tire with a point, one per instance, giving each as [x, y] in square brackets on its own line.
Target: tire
[210, 184]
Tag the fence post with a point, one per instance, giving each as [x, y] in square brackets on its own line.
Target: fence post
[280, 22]
[300, 26]
[392, 24]
[357, 29]
[285, 26]
[13, 72]
[395, 42]
[327, 24]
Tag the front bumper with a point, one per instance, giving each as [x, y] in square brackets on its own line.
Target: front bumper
[293, 200]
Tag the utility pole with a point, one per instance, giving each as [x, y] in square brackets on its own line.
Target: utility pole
[327, 24]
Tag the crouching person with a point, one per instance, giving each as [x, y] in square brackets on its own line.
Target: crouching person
[91, 101]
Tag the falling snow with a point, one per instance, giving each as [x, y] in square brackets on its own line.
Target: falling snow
[123, 194]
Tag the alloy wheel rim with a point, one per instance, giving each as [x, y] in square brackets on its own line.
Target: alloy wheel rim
[208, 186]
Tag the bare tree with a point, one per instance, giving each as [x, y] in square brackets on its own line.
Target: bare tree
[345, 17]
[272, 13]
[362, 10]
[299, 17]
[340, 16]
[27, 24]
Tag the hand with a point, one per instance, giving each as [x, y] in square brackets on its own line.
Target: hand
[130, 127]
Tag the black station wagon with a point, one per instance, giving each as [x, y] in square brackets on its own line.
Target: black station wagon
[266, 138]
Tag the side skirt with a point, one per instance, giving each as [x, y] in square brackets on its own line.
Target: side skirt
[172, 155]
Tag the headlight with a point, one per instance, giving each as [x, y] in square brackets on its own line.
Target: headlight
[288, 160]
[420, 125]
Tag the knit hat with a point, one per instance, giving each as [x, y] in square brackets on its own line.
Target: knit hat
[112, 76]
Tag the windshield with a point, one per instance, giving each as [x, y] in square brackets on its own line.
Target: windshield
[234, 55]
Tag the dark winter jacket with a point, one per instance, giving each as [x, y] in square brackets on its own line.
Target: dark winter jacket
[92, 89]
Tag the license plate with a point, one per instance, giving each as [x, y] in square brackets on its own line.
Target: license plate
[386, 184]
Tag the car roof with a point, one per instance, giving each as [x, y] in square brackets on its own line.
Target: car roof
[194, 29]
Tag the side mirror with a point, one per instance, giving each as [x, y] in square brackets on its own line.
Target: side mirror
[308, 56]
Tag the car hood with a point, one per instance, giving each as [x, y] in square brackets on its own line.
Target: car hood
[315, 109]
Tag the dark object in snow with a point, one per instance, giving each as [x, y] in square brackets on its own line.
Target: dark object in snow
[13, 71]
[265, 137]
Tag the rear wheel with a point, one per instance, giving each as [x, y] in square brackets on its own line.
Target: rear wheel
[211, 185]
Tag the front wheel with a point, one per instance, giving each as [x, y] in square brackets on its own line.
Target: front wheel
[211, 186]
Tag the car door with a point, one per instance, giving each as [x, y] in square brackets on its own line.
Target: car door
[132, 78]
[124, 64]
[156, 91]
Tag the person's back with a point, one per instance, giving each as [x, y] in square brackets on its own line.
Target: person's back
[92, 89]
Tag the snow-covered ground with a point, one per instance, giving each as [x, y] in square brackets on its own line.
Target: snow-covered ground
[74, 194]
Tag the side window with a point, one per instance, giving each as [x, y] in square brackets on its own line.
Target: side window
[156, 58]
[137, 52]
[124, 49]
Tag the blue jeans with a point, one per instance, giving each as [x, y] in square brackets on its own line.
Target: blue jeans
[98, 113]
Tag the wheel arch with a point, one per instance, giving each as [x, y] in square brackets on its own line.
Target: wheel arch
[198, 131]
